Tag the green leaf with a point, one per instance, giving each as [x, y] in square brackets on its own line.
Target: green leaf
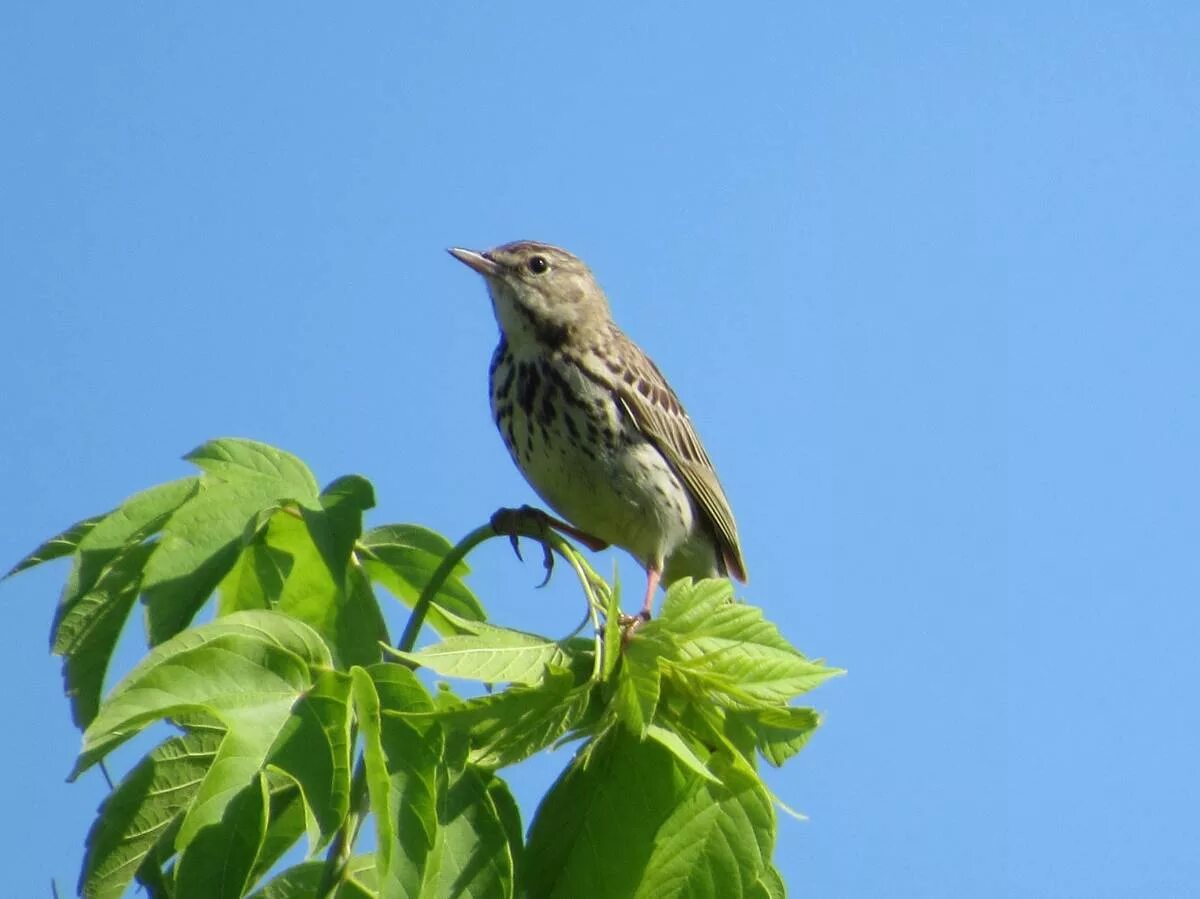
[256, 579]
[87, 633]
[303, 880]
[234, 459]
[337, 604]
[510, 819]
[199, 545]
[495, 655]
[472, 849]
[613, 640]
[715, 844]
[675, 833]
[610, 808]
[771, 885]
[639, 680]
[246, 671]
[313, 748]
[287, 823]
[218, 862]
[780, 733]
[343, 503]
[679, 748]
[56, 547]
[401, 760]
[403, 558]
[732, 648]
[506, 727]
[139, 812]
[137, 518]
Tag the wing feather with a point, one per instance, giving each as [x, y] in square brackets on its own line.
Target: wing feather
[656, 410]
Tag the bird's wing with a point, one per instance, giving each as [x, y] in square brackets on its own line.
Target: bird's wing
[657, 412]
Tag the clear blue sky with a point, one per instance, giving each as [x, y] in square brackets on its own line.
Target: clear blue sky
[925, 275]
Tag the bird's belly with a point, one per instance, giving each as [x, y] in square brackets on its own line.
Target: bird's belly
[602, 475]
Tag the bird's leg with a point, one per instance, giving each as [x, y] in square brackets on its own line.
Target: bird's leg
[530, 522]
[630, 622]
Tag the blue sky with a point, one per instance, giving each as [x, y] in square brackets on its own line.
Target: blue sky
[925, 277]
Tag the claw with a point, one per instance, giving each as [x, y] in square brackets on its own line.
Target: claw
[516, 545]
[548, 563]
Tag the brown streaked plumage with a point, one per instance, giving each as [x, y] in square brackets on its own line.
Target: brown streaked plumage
[592, 423]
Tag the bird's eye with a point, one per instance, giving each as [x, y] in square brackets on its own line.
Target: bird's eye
[537, 264]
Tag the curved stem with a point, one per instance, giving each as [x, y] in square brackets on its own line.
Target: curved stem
[449, 562]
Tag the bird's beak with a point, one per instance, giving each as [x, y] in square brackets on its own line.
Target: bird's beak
[482, 263]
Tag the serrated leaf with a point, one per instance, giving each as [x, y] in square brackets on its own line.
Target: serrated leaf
[137, 815]
[612, 640]
[715, 844]
[780, 733]
[609, 808]
[235, 459]
[732, 647]
[313, 748]
[497, 655]
[639, 681]
[506, 727]
[56, 547]
[679, 748]
[218, 862]
[87, 633]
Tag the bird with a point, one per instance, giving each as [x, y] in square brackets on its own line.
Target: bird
[594, 426]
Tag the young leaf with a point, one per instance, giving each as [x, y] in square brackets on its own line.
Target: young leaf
[780, 733]
[506, 727]
[639, 680]
[732, 647]
[140, 810]
[679, 748]
[496, 655]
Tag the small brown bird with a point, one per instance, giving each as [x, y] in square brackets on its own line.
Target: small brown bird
[593, 424]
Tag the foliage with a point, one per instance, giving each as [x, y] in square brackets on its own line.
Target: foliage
[293, 718]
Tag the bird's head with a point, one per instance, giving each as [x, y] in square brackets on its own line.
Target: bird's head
[539, 292]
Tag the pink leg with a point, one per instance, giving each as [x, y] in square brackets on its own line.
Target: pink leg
[653, 575]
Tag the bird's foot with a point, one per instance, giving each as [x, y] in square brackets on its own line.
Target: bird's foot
[630, 623]
[535, 524]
